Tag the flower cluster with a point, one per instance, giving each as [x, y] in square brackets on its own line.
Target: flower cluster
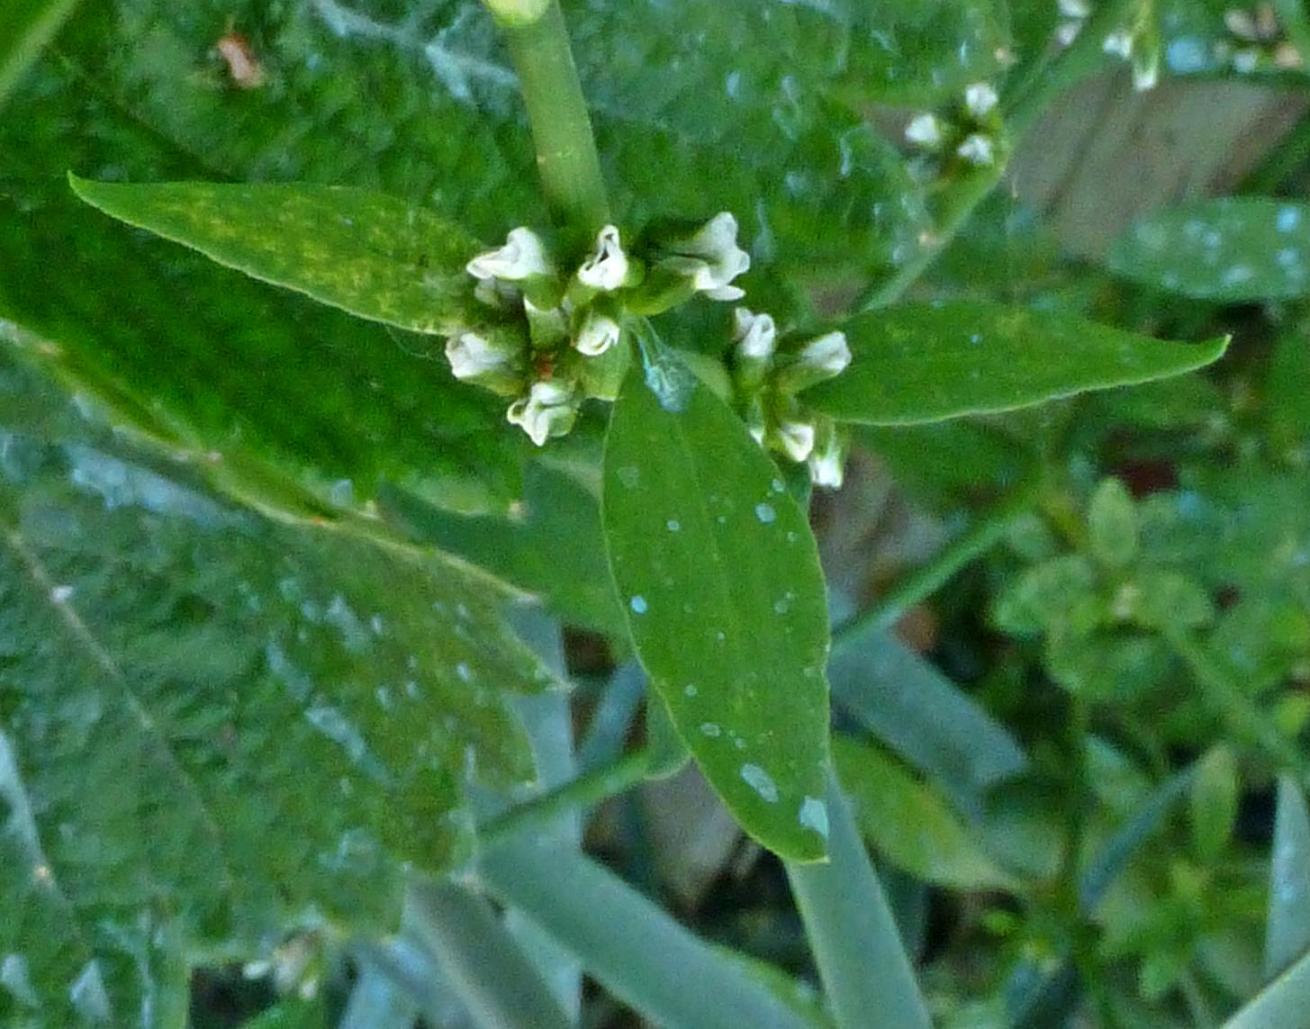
[970, 135]
[1137, 41]
[768, 373]
[1259, 42]
[552, 336]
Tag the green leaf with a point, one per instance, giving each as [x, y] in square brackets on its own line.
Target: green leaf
[910, 823]
[367, 253]
[1112, 521]
[851, 931]
[1229, 250]
[628, 944]
[26, 26]
[720, 581]
[1284, 1003]
[1288, 931]
[216, 728]
[194, 359]
[928, 362]
[1213, 802]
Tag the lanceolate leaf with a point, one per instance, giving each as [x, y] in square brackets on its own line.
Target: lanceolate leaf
[928, 362]
[1230, 250]
[364, 252]
[720, 581]
[214, 728]
[1288, 933]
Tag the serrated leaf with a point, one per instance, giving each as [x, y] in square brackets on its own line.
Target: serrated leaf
[235, 376]
[216, 728]
[1230, 250]
[1213, 801]
[1112, 524]
[25, 27]
[928, 362]
[1288, 932]
[367, 253]
[910, 823]
[719, 578]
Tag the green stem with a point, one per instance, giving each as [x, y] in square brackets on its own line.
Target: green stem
[586, 790]
[1022, 107]
[925, 581]
[561, 128]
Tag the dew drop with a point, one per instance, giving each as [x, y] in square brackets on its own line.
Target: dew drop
[765, 513]
[61, 594]
[638, 604]
[711, 730]
[690, 690]
[779, 486]
[761, 782]
[673, 525]
[814, 815]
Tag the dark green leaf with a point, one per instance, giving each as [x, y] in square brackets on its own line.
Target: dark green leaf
[910, 823]
[927, 362]
[1288, 932]
[215, 728]
[367, 253]
[1230, 250]
[25, 27]
[719, 577]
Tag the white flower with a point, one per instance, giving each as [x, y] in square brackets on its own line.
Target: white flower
[1119, 43]
[471, 355]
[711, 258]
[599, 332]
[522, 257]
[756, 334]
[1075, 8]
[797, 439]
[548, 410]
[924, 130]
[978, 149]
[827, 462]
[829, 354]
[1067, 31]
[980, 99]
[1146, 73]
[607, 268]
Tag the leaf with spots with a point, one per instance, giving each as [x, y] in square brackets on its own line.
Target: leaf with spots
[214, 728]
[720, 579]
[930, 362]
[1234, 250]
[367, 253]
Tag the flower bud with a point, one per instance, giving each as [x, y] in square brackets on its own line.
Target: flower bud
[978, 149]
[522, 257]
[598, 333]
[710, 258]
[827, 462]
[980, 100]
[487, 358]
[607, 268]
[925, 130]
[819, 359]
[795, 439]
[756, 338]
[1075, 8]
[549, 410]
[1119, 43]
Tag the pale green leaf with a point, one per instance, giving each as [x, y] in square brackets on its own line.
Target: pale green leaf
[1284, 1003]
[1288, 931]
[910, 823]
[719, 578]
[1212, 802]
[1229, 250]
[927, 362]
[1112, 524]
[367, 253]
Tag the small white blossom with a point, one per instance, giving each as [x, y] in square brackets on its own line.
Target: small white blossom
[1241, 24]
[1146, 73]
[1067, 31]
[978, 149]
[1119, 43]
[827, 463]
[548, 410]
[1075, 8]
[980, 99]
[797, 439]
[1246, 61]
[599, 332]
[607, 268]
[829, 354]
[924, 130]
[712, 258]
[522, 257]
[756, 334]
[471, 355]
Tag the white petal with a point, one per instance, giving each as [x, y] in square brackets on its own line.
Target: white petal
[756, 334]
[797, 439]
[924, 130]
[599, 332]
[830, 353]
[522, 256]
[607, 268]
[1075, 8]
[470, 355]
[978, 149]
[1119, 43]
[980, 99]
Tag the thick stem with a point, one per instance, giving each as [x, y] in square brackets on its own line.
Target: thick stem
[561, 128]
